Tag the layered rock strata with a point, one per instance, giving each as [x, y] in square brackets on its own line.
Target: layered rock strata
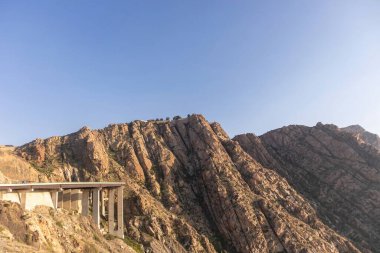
[336, 170]
[190, 188]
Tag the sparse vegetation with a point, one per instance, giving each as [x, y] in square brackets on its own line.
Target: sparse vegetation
[133, 244]
[96, 238]
[217, 242]
[90, 248]
[59, 224]
[47, 168]
[47, 171]
[112, 154]
[109, 237]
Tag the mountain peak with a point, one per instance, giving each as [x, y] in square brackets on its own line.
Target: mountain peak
[363, 136]
[354, 129]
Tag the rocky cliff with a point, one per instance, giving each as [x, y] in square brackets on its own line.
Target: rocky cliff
[190, 188]
[337, 170]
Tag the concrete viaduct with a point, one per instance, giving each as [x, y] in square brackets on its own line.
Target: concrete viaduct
[95, 198]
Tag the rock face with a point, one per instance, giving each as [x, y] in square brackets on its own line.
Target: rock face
[16, 169]
[337, 170]
[47, 230]
[190, 188]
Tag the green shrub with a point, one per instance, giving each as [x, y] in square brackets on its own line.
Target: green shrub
[133, 244]
[96, 238]
[59, 224]
[109, 237]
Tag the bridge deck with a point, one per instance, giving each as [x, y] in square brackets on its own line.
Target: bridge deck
[60, 185]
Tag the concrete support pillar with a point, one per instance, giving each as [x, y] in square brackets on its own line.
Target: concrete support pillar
[95, 206]
[67, 199]
[111, 211]
[60, 199]
[54, 198]
[85, 201]
[102, 203]
[22, 195]
[76, 200]
[120, 219]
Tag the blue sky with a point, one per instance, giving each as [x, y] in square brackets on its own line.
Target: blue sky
[251, 65]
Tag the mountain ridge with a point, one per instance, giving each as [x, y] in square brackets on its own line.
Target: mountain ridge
[327, 165]
[190, 188]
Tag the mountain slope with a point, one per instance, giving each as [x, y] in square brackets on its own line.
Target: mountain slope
[46, 230]
[189, 188]
[16, 169]
[334, 169]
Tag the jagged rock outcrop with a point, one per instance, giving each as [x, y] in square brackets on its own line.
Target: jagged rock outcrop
[190, 188]
[363, 136]
[48, 230]
[337, 170]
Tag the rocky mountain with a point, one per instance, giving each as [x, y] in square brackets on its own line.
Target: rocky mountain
[190, 188]
[336, 170]
[363, 136]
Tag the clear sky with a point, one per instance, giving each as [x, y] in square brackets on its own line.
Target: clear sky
[251, 65]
